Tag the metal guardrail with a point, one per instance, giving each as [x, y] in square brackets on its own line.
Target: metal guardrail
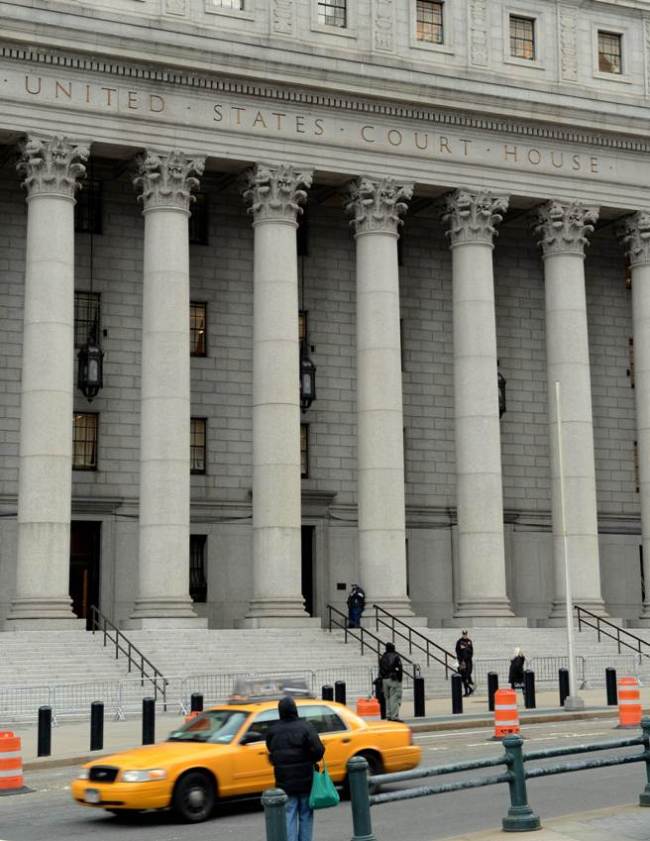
[520, 817]
[415, 638]
[99, 622]
[604, 627]
[338, 619]
[590, 670]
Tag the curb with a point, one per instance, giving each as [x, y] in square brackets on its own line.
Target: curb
[431, 725]
[45, 763]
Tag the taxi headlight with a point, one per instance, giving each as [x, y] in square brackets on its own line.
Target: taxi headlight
[84, 774]
[144, 776]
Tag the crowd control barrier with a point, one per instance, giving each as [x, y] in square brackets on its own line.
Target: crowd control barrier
[520, 816]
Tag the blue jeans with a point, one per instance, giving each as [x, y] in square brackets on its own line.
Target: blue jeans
[300, 818]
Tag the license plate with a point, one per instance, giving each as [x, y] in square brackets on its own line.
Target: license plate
[91, 795]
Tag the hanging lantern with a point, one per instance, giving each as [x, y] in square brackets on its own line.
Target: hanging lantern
[90, 373]
[307, 379]
[502, 394]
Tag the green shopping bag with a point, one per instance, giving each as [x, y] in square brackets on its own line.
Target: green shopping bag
[323, 792]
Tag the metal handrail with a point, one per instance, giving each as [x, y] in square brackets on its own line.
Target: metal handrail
[520, 816]
[449, 662]
[102, 623]
[639, 643]
[363, 633]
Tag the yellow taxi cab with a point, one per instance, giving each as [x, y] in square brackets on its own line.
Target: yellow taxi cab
[221, 753]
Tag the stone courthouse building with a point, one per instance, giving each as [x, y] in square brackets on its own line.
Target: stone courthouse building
[442, 205]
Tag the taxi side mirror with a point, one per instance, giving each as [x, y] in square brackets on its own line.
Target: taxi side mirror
[251, 736]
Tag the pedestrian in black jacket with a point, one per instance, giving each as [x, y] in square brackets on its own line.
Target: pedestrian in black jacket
[465, 655]
[516, 672]
[295, 747]
[390, 671]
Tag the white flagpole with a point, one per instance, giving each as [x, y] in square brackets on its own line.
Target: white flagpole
[574, 701]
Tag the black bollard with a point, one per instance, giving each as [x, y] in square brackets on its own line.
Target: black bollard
[339, 692]
[44, 731]
[610, 683]
[418, 697]
[529, 689]
[96, 725]
[327, 692]
[493, 685]
[456, 694]
[148, 721]
[563, 675]
[196, 702]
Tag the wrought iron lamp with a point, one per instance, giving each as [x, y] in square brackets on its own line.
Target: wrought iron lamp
[307, 378]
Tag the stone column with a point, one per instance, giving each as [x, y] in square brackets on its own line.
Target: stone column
[563, 229]
[635, 234]
[376, 206]
[481, 588]
[52, 168]
[163, 599]
[274, 195]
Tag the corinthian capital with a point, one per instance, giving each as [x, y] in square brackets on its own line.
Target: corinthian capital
[167, 180]
[275, 192]
[473, 217]
[376, 204]
[52, 165]
[634, 233]
[563, 227]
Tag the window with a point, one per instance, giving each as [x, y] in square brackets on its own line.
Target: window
[522, 38]
[86, 317]
[324, 719]
[302, 325]
[84, 440]
[88, 209]
[304, 450]
[302, 237]
[237, 5]
[198, 328]
[333, 13]
[428, 21]
[610, 52]
[198, 578]
[199, 220]
[197, 445]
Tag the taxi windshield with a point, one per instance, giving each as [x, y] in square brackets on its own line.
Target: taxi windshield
[213, 726]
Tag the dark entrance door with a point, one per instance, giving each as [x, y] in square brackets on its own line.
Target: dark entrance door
[308, 568]
[84, 567]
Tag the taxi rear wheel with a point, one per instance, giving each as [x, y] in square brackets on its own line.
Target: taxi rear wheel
[194, 797]
[375, 766]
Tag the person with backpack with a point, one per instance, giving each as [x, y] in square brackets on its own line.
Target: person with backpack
[356, 604]
[294, 747]
[390, 671]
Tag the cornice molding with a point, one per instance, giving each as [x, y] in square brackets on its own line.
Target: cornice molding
[344, 102]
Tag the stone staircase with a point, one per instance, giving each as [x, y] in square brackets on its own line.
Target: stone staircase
[69, 669]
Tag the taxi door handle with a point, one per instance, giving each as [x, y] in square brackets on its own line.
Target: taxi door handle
[345, 741]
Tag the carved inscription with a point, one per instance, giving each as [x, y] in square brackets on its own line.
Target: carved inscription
[227, 116]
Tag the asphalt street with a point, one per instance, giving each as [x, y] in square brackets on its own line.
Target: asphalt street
[49, 814]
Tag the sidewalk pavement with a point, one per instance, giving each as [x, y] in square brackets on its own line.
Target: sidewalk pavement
[71, 740]
[617, 823]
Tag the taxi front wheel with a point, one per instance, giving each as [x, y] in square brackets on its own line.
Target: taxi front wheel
[194, 797]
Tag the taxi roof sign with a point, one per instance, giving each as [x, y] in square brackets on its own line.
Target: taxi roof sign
[269, 688]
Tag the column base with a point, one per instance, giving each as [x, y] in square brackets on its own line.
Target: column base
[642, 621]
[280, 612]
[485, 613]
[34, 624]
[557, 616]
[42, 614]
[163, 613]
[573, 702]
[399, 606]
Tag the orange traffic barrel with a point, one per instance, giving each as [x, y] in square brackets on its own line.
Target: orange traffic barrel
[506, 716]
[629, 702]
[369, 709]
[11, 765]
